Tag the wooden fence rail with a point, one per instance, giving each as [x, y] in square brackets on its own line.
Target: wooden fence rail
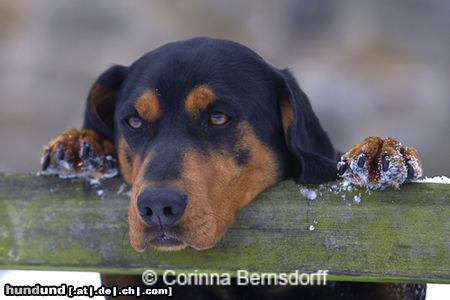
[67, 224]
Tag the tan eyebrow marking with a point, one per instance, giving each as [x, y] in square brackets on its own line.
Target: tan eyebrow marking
[148, 106]
[199, 98]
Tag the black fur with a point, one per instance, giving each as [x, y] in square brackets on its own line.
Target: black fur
[247, 89]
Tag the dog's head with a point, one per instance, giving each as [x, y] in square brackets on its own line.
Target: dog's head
[201, 127]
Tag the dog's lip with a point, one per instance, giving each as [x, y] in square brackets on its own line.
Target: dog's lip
[165, 241]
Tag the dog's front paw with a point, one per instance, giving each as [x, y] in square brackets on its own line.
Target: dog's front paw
[380, 162]
[79, 153]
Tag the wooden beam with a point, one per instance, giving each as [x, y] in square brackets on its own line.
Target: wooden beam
[68, 224]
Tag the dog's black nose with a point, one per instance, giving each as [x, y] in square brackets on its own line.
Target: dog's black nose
[162, 206]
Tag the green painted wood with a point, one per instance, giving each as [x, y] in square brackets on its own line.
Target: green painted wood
[63, 224]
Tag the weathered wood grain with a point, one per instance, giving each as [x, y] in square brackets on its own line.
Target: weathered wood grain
[52, 223]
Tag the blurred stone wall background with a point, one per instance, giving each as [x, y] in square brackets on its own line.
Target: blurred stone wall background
[369, 67]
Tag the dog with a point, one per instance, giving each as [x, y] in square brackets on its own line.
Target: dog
[199, 128]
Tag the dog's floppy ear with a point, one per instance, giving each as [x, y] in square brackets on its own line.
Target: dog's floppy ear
[101, 101]
[315, 157]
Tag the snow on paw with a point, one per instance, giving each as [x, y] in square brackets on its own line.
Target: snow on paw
[378, 163]
[97, 155]
[79, 154]
[60, 155]
[413, 163]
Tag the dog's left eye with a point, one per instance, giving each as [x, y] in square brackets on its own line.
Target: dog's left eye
[135, 122]
[218, 119]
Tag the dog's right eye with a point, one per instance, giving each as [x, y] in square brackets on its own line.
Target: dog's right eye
[218, 119]
[134, 122]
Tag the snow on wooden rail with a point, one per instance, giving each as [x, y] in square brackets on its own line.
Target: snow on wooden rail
[391, 235]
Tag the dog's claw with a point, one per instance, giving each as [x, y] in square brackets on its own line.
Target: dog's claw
[410, 173]
[110, 162]
[385, 163]
[46, 161]
[362, 160]
[85, 150]
[342, 168]
[60, 153]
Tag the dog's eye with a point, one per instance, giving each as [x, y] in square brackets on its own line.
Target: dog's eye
[135, 122]
[218, 119]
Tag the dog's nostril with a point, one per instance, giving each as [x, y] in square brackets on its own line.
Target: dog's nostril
[148, 211]
[161, 207]
[169, 211]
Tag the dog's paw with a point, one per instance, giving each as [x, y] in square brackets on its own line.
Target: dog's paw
[79, 153]
[380, 162]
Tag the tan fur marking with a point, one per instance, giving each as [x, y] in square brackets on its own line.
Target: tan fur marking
[139, 181]
[199, 98]
[287, 115]
[140, 232]
[127, 170]
[218, 188]
[148, 106]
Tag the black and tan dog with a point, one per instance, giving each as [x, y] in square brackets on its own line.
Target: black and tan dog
[199, 128]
